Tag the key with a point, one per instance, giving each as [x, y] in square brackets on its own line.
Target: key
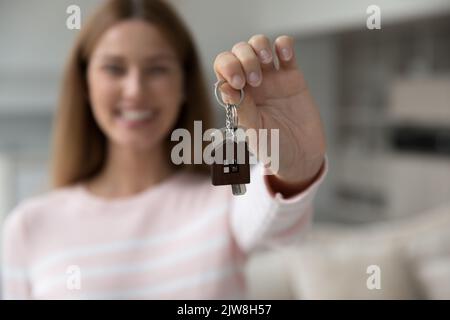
[231, 164]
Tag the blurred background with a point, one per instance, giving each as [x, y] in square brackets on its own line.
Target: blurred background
[384, 96]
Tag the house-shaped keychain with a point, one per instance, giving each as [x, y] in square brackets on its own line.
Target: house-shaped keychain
[231, 165]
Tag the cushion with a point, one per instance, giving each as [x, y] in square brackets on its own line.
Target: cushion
[339, 271]
[434, 277]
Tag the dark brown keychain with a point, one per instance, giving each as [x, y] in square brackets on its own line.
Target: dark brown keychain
[231, 164]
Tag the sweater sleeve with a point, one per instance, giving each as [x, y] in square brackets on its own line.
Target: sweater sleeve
[14, 278]
[260, 219]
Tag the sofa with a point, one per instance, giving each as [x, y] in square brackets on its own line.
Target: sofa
[407, 258]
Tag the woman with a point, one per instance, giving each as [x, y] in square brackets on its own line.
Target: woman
[122, 222]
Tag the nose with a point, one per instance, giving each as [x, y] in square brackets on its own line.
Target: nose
[133, 87]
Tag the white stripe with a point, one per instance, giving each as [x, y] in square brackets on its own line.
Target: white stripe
[43, 286]
[117, 246]
[152, 292]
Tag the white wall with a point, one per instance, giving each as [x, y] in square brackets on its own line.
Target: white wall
[35, 41]
[304, 17]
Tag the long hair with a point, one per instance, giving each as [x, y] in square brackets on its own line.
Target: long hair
[79, 147]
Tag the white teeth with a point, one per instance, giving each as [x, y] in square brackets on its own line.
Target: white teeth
[134, 115]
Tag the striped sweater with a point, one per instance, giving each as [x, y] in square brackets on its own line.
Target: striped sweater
[180, 239]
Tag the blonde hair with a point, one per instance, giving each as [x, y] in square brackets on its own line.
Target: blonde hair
[79, 147]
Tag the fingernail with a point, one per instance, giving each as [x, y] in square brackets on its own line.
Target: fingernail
[237, 81]
[253, 78]
[286, 53]
[265, 56]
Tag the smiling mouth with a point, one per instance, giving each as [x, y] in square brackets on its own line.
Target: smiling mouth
[134, 117]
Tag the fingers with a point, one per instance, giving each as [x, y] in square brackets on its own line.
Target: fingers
[247, 62]
[284, 47]
[262, 47]
[227, 66]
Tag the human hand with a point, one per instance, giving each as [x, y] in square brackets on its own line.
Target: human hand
[276, 97]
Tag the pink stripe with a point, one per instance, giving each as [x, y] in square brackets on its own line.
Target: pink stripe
[101, 225]
[15, 290]
[137, 254]
[226, 287]
[202, 263]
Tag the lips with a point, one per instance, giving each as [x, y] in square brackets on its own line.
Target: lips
[136, 115]
[132, 118]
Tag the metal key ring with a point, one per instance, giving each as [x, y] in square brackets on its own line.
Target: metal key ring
[219, 99]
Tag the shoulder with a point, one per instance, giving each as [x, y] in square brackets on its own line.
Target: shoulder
[32, 208]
